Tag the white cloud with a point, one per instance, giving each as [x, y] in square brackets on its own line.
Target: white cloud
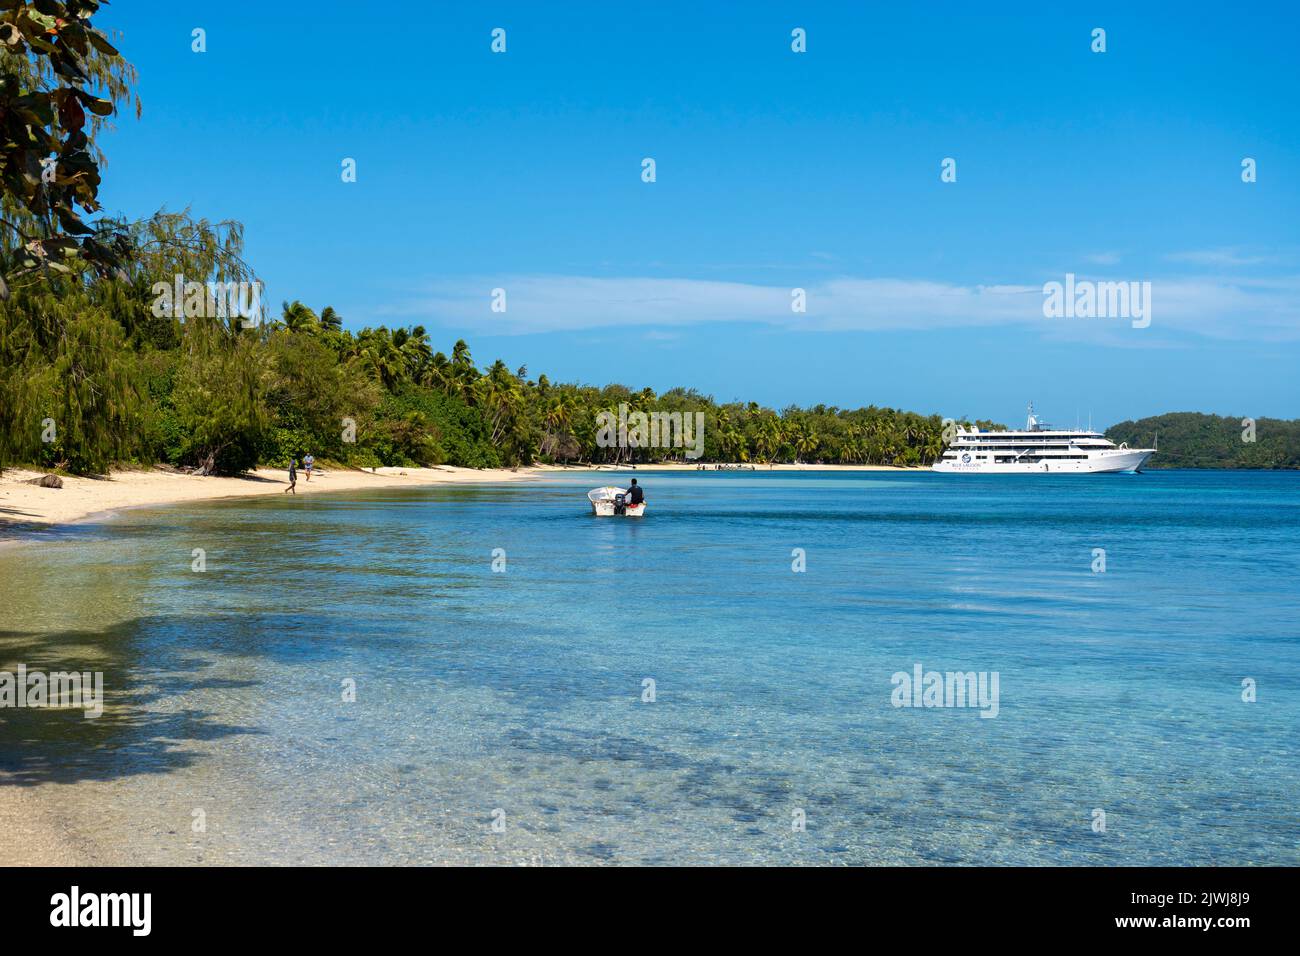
[1229, 307]
[1215, 306]
[1219, 258]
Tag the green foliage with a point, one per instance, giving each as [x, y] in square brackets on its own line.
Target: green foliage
[52, 59]
[460, 434]
[284, 440]
[124, 384]
[66, 377]
[406, 438]
[220, 397]
[310, 393]
[1194, 440]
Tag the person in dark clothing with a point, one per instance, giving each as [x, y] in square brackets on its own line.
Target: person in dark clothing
[293, 476]
[634, 494]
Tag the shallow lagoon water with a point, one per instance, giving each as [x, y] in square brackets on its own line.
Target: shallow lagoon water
[517, 696]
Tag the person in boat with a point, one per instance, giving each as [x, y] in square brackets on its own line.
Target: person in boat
[634, 494]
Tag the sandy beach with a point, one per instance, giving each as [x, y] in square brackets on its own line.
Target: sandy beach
[82, 498]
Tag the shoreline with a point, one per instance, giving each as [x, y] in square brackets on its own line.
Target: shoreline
[25, 508]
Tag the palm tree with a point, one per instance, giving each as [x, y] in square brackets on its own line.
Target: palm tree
[501, 396]
[440, 373]
[767, 443]
[416, 352]
[558, 421]
[331, 320]
[463, 372]
[732, 444]
[296, 317]
[807, 442]
[375, 349]
[933, 447]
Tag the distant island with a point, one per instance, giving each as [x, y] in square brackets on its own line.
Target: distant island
[1197, 440]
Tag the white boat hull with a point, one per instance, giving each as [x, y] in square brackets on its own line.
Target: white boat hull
[1121, 460]
[605, 509]
[604, 503]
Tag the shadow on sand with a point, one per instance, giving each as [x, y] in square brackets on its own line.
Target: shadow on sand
[140, 731]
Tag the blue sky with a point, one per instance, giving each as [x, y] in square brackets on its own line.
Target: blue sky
[775, 170]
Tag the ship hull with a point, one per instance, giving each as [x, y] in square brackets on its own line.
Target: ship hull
[1125, 461]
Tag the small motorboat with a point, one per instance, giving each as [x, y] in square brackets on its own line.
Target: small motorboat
[610, 501]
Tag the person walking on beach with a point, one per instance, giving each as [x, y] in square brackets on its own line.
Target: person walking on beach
[293, 475]
[307, 462]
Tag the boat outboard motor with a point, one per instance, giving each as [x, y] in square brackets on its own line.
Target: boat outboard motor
[620, 505]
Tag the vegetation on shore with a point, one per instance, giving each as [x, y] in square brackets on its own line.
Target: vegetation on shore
[1195, 440]
[120, 384]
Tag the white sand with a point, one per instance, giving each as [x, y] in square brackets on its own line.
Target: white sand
[82, 498]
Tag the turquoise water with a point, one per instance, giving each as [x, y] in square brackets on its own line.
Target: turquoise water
[518, 696]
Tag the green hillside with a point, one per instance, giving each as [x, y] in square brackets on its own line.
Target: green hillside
[1195, 440]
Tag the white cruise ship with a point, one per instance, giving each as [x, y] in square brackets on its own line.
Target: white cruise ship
[1039, 448]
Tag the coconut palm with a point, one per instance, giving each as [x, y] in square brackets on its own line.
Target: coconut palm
[416, 352]
[440, 373]
[500, 394]
[463, 372]
[378, 354]
[297, 318]
[558, 421]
